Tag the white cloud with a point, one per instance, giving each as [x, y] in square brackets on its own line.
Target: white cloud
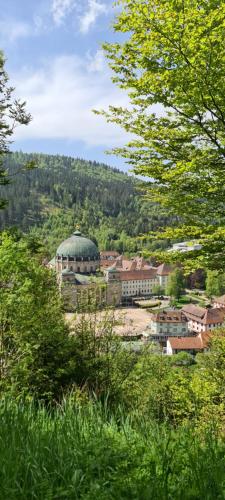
[11, 30]
[94, 10]
[61, 96]
[97, 62]
[60, 9]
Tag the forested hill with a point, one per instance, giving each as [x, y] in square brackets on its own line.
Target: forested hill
[64, 192]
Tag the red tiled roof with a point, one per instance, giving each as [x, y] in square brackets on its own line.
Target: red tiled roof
[170, 317]
[137, 263]
[186, 343]
[204, 316]
[220, 300]
[144, 274]
[164, 270]
[109, 253]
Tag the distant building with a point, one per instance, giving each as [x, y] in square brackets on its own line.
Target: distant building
[191, 345]
[107, 258]
[78, 254]
[137, 277]
[167, 324]
[185, 246]
[163, 273]
[219, 302]
[76, 262]
[202, 319]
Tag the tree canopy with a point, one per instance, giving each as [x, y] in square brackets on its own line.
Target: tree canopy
[64, 192]
[172, 65]
[12, 113]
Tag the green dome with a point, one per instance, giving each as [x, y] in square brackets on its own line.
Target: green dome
[77, 246]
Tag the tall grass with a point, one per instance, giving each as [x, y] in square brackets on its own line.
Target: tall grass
[84, 452]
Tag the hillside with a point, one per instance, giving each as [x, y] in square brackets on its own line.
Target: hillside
[63, 192]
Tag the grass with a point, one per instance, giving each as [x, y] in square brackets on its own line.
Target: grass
[86, 453]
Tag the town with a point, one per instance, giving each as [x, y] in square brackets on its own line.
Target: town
[130, 286]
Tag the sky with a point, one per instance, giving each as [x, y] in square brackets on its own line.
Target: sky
[56, 64]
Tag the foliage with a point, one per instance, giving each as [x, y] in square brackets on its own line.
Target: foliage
[215, 283]
[175, 284]
[172, 59]
[86, 452]
[101, 361]
[36, 355]
[158, 290]
[40, 356]
[12, 113]
[65, 192]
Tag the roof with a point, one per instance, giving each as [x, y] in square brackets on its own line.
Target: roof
[186, 343]
[78, 246]
[164, 270]
[52, 262]
[136, 263]
[144, 274]
[82, 279]
[202, 315]
[109, 253]
[220, 300]
[67, 272]
[170, 317]
[112, 269]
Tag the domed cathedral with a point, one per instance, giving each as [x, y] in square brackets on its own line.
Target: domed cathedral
[77, 254]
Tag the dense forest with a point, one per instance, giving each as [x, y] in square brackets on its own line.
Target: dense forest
[62, 193]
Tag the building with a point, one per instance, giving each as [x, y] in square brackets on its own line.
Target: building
[79, 292]
[219, 302]
[137, 277]
[163, 273]
[107, 258]
[165, 324]
[185, 246]
[202, 319]
[191, 345]
[78, 254]
[76, 262]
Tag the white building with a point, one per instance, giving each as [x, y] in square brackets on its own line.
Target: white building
[167, 324]
[137, 277]
[202, 319]
[185, 246]
[219, 302]
[191, 345]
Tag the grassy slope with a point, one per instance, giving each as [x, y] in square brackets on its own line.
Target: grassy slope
[85, 453]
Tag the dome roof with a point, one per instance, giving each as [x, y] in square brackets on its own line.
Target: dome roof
[78, 246]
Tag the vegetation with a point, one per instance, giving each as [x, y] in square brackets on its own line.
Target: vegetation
[12, 113]
[175, 284]
[84, 452]
[215, 284]
[173, 58]
[158, 290]
[81, 416]
[51, 200]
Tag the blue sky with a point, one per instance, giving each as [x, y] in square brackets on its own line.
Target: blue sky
[55, 62]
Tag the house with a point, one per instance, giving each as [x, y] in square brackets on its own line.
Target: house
[163, 273]
[167, 324]
[202, 319]
[219, 302]
[185, 246]
[191, 345]
[137, 277]
[108, 258]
